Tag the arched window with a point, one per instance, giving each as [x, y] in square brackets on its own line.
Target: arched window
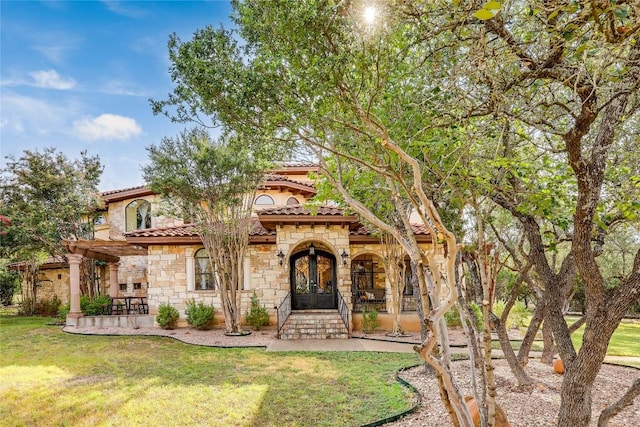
[292, 201]
[264, 200]
[204, 275]
[138, 215]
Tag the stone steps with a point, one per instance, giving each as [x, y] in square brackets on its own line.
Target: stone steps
[115, 321]
[309, 324]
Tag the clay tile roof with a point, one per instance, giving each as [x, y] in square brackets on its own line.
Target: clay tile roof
[301, 210]
[418, 230]
[273, 177]
[125, 193]
[188, 230]
[51, 262]
[175, 231]
[298, 165]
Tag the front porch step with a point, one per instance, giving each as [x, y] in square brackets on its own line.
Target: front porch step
[314, 324]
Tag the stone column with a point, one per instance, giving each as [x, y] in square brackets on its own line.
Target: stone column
[113, 279]
[74, 283]
[190, 270]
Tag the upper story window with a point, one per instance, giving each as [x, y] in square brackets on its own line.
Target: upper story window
[264, 200]
[138, 215]
[203, 273]
[292, 201]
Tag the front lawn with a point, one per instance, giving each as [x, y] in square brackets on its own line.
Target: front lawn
[625, 341]
[624, 346]
[48, 377]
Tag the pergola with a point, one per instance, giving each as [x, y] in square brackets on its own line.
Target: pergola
[108, 251]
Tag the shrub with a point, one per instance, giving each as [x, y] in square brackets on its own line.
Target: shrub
[167, 316]
[258, 316]
[477, 311]
[370, 321]
[9, 284]
[95, 306]
[62, 313]
[46, 307]
[452, 317]
[199, 315]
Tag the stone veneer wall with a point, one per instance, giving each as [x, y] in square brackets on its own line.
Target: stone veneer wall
[51, 285]
[167, 270]
[116, 215]
[132, 269]
[280, 198]
[332, 238]
[168, 284]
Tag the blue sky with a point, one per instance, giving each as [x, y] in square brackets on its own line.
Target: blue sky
[77, 75]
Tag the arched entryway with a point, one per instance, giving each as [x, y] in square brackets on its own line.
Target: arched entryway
[313, 278]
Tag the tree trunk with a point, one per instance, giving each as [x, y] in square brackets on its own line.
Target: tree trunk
[516, 368]
[626, 400]
[549, 346]
[532, 331]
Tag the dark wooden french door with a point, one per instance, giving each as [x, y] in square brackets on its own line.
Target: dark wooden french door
[313, 279]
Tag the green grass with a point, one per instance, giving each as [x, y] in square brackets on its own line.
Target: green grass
[48, 377]
[625, 341]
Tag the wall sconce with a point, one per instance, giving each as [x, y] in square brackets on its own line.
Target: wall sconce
[344, 256]
[280, 257]
[312, 249]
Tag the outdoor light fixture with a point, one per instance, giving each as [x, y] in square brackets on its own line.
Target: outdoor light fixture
[312, 249]
[280, 257]
[344, 256]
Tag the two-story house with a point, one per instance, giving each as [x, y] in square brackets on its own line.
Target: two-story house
[299, 263]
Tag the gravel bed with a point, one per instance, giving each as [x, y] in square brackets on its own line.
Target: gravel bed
[210, 338]
[537, 406]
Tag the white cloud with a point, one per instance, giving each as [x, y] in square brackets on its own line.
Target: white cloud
[121, 8]
[50, 79]
[23, 113]
[54, 53]
[106, 126]
[114, 87]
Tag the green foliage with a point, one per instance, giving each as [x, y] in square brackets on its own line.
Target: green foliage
[488, 11]
[48, 307]
[477, 312]
[518, 315]
[167, 316]
[46, 196]
[212, 182]
[370, 320]
[258, 316]
[199, 315]
[63, 311]
[452, 317]
[95, 306]
[9, 284]
[193, 168]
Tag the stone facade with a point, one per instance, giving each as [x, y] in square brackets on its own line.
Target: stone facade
[54, 282]
[166, 274]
